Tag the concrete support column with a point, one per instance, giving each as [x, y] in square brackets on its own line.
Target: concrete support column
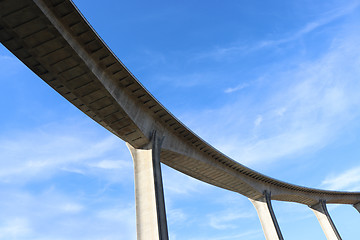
[267, 217]
[325, 221]
[151, 221]
[357, 206]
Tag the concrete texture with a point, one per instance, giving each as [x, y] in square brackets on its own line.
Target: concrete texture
[357, 206]
[151, 221]
[325, 220]
[267, 217]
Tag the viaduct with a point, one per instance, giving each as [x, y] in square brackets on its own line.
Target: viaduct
[54, 40]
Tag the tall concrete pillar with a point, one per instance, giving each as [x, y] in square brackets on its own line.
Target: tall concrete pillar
[151, 221]
[325, 221]
[267, 217]
[357, 206]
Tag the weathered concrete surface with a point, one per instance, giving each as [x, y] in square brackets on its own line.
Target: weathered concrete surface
[267, 217]
[151, 221]
[325, 220]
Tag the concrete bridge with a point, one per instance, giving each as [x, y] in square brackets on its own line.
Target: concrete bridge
[55, 41]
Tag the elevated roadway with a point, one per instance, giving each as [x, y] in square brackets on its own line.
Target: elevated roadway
[56, 42]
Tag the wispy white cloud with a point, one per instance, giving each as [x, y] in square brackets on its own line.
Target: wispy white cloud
[111, 164]
[305, 108]
[48, 150]
[15, 228]
[72, 207]
[227, 219]
[324, 19]
[178, 184]
[346, 180]
[39, 203]
[53, 214]
[237, 88]
[258, 121]
[117, 213]
[176, 216]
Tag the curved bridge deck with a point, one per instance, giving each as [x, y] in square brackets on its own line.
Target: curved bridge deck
[57, 43]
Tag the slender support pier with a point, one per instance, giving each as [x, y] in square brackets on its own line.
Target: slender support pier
[267, 217]
[151, 221]
[357, 206]
[325, 221]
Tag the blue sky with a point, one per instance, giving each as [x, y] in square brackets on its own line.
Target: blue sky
[274, 85]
